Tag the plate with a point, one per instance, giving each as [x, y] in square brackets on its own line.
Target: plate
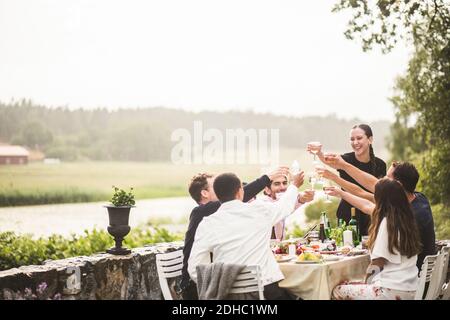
[331, 258]
[328, 252]
[357, 252]
[283, 258]
[307, 262]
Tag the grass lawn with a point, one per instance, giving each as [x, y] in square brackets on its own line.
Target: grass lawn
[38, 183]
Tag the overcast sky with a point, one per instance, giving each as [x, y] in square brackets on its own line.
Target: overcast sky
[282, 56]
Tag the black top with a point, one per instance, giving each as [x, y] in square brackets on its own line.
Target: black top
[344, 209]
[204, 210]
[424, 218]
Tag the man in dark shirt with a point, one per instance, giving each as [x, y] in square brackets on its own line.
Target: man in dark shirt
[201, 190]
[407, 174]
[424, 217]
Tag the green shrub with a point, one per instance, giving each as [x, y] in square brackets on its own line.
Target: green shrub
[121, 198]
[296, 232]
[441, 218]
[16, 251]
[314, 210]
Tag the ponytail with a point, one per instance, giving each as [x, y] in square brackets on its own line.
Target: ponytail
[373, 164]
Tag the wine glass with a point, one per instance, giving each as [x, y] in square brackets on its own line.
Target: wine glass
[312, 179]
[314, 147]
[295, 168]
[320, 173]
[327, 200]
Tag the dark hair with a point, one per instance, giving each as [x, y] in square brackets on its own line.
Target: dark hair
[226, 185]
[368, 131]
[392, 203]
[198, 183]
[407, 174]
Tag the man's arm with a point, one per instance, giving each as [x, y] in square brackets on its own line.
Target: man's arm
[362, 204]
[363, 178]
[346, 185]
[255, 187]
[201, 249]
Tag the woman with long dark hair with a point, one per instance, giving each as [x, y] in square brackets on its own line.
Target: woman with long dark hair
[394, 244]
[362, 157]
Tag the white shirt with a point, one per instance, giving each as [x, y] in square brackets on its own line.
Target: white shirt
[279, 227]
[239, 233]
[400, 272]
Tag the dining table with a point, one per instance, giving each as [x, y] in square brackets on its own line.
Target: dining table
[316, 281]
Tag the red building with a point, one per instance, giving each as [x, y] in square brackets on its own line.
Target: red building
[13, 155]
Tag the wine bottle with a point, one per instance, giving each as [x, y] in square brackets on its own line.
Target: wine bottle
[322, 235]
[353, 225]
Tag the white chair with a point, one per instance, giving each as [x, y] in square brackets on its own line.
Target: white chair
[168, 265]
[444, 287]
[434, 272]
[427, 274]
[249, 280]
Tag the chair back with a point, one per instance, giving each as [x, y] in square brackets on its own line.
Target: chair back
[443, 286]
[249, 280]
[168, 265]
[426, 274]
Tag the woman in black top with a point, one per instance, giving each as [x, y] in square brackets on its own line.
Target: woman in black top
[362, 157]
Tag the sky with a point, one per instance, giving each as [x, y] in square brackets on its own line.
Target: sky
[286, 57]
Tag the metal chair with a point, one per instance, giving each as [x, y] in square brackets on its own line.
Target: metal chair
[249, 280]
[168, 265]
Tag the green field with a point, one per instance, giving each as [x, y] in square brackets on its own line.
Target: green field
[38, 183]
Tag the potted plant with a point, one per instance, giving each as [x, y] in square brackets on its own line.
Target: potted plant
[119, 214]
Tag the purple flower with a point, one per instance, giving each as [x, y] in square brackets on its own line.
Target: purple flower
[41, 288]
[57, 296]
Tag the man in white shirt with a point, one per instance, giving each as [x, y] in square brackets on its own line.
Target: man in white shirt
[239, 233]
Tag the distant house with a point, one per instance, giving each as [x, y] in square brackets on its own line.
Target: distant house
[13, 155]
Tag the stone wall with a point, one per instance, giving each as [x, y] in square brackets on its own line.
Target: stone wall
[100, 276]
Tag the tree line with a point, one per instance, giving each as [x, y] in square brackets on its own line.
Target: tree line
[144, 134]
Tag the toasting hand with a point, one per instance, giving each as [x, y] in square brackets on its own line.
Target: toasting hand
[325, 173]
[298, 179]
[333, 191]
[280, 171]
[306, 196]
[334, 160]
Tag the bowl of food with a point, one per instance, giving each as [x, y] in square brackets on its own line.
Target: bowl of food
[309, 257]
[345, 249]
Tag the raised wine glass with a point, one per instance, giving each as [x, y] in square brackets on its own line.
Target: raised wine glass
[314, 147]
[319, 171]
[312, 179]
[327, 200]
[295, 167]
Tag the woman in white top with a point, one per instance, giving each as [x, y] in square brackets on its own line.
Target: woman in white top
[394, 244]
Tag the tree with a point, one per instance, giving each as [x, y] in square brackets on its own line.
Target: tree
[421, 131]
[34, 135]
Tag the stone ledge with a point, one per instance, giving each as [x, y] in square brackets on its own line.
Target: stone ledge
[97, 277]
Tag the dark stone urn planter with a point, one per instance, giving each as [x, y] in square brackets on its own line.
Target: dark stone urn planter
[119, 227]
